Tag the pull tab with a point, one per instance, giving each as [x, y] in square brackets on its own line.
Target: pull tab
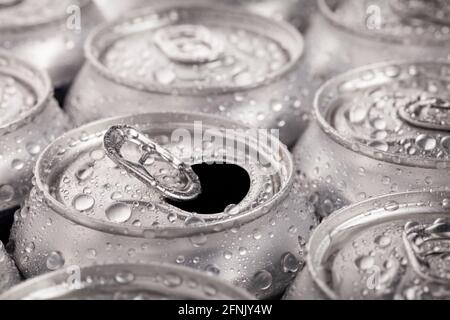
[429, 113]
[428, 249]
[9, 3]
[190, 44]
[437, 11]
[117, 136]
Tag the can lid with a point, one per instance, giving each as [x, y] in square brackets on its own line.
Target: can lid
[18, 14]
[194, 48]
[389, 247]
[24, 92]
[126, 282]
[395, 112]
[401, 21]
[427, 113]
[80, 183]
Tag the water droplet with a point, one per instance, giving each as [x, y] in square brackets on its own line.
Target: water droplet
[85, 172]
[263, 280]
[165, 76]
[365, 263]
[124, 277]
[83, 202]
[426, 142]
[391, 206]
[118, 212]
[383, 241]
[172, 280]
[33, 148]
[6, 193]
[231, 209]
[55, 260]
[17, 164]
[289, 263]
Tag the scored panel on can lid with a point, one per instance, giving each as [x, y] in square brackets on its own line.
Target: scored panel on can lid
[24, 92]
[192, 48]
[84, 185]
[126, 282]
[405, 21]
[17, 14]
[395, 112]
[390, 247]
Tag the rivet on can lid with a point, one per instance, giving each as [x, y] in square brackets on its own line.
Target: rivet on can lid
[428, 113]
[117, 136]
[190, 44]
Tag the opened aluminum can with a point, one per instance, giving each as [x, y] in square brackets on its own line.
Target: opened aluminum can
[187, 57]
[151, 187]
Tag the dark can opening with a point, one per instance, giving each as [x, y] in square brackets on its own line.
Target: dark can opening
[222, 185]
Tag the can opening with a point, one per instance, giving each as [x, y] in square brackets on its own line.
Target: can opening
[6, 221]
[222, 185]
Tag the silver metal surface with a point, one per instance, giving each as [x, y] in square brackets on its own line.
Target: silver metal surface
[49, 33]
[345, 34]
[29, 119]
[294, 11]
[85, 210]
[389, 247]
[379, 129]
[9, 275]
[113, 142]
[126, 282]
[186, 57]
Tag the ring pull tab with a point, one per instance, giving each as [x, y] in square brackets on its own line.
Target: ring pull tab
[190, 44]
[435, 11]
[118, 135]
[427, 113]
[9, 3]
[427, 247]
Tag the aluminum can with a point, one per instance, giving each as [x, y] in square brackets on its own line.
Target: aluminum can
[379, 129]
[100, 198]
[390, 247]
[191, 57]
[29, 119]
[48, 33]
[294, 11]
[345, 34]
[9, 275]
[153, 281]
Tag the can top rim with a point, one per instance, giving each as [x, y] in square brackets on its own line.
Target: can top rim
[326, 11]
[362, 148]
[357, 215]
[42, 98]
[31, 287]
[174, 232]
[55, 19]
[295, 47]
